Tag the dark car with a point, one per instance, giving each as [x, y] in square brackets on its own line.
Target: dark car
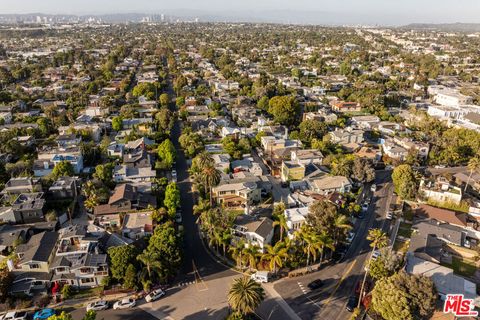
[352, 303]
[340, 252]
[361, 215]
[315, 284]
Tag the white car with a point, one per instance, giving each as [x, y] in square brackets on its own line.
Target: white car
[126, 303]
[14, 315]
[365, 206]
[350, 236]
[375, 254]
[174, 175]
[178, 217]
[373, 188]
[97, 305]
[155, 295]
[389, 216]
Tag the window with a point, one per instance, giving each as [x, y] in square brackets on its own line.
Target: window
[87, 280]
[34, 266]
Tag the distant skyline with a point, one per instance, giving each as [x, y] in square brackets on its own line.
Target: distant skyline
[384, 12]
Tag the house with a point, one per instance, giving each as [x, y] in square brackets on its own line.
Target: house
[137, 225]
[369, 153]
[222, 161]
[443, 215]
[365, 122]
[75, 160]
[97, 111]
[123, 173]
[295, 218]
[6, 117]
[94, 129]
[68, 140]
[306, 156]
[255, 232]
[421, 148]
[328, 184]
[346, 136]
[446, 282]
[292, 171]
[343, 106]
[233, 194]
[394, 151]
[138, 159]
[31, 269]
[65, 188]
[230, 132]
[42, 168]
[27, 208]
[11, 236]
[440, 190]
[246, 164]
[115, 149]
[139, 144]
[321, 115]
[26, 141]
[22, 185]
[78, 260]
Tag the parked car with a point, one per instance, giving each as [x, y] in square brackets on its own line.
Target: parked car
[365, 206]
[373, 188]
[126, 303]
[174, 175]
[178, 217]
[260, 276]
[389, 215]
[315, 284]
[154, 295]
[352, 303]
[361, 215]
[43, 314]
[350, 237]
[375, 254]
[14, 315]
[97, 305]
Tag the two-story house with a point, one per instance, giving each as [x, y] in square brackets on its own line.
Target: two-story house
[255, 232]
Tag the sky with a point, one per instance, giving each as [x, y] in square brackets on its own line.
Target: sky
[342, 11]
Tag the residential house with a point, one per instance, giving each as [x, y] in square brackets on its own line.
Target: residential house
[222, 161]
[247, 164]
[115, 149]
[328, 184]
[254, 231]
[123, 173]
[344, 106]
[440, 190]
[22, 185]
[137, 225]
[26, 208]
[365, 122]
[65, 188]
[236, 194]
[443, 215]
[295, 217]
[346, 136]
[11, 236]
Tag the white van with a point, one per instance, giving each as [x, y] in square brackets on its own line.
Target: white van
[261, 276]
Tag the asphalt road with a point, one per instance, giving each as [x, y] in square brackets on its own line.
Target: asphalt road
[339, 279]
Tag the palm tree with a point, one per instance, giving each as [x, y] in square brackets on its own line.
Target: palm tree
[225, 239]
[211, 177]
[341, 225]
[250, 256]
[282, 223]
[378, 239]
[151, 261]
[311, 243]
[204, 159]
[473, 166]
[201, 207]
[274, 255]
[325, 241]
[245, 295]
[237, 252]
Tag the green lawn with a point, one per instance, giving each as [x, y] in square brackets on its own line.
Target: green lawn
[401, 246]
[90, 292]
[462, 267]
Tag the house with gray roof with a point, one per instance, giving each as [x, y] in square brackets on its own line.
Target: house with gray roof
[254, 231]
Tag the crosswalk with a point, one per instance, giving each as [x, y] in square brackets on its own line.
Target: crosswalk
[185, 283]
[304, 290]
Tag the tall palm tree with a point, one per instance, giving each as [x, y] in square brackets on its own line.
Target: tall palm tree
[211, 177]
[378, 239]
[311, 244]
[250, 256]
[341, 225]
[225, 239]
[237, 252]
[473, 166]
[275, 255]
[325, 241]
[201, 207]
[282, 223]
[204, 159]
[245, 295]
[151, 261]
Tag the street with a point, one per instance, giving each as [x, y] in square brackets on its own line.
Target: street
[339, 279]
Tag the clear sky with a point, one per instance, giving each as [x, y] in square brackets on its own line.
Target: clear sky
[366, 11]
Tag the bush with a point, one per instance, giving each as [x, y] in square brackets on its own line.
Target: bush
[67, 292]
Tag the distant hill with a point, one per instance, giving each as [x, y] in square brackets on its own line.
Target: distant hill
[451, 27]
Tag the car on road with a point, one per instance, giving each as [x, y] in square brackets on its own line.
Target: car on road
[284, 184]
[373, 188]
[154, 295]
[350, 237]
[174, 175]
[44, 314]
[14, 315]
[361, 215]
[178, 216]
[389, 215]
[315, 284]
[375, 254]
[126, 303]
[365, 206]
[352, 303]
[261, 276]
[97, 305]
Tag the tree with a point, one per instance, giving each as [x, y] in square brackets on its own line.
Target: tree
[262, 103]
[321, 217]
[191, 143]
[342, 166]
[62, 316]
[117, 123]
[473, 166]
[385, 265]
[67, 292]
[363, 170]
[284, 109]
[211, 177]
[150, 260]
[130, 279]
[63, 169]
[120, 258]
[237, 252]
[164, 99]
[250, 256]
[165, 119]
[341, 225]
[275, 256]
[6, 280]
[312, 129]
[281, 222]
[165, 244]
[90, 315]
[146, 89]
[166, 154]
[404, 296]
[311, 244]
[104, 173]
[245, 295]
[172, 198]
[404, 181]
